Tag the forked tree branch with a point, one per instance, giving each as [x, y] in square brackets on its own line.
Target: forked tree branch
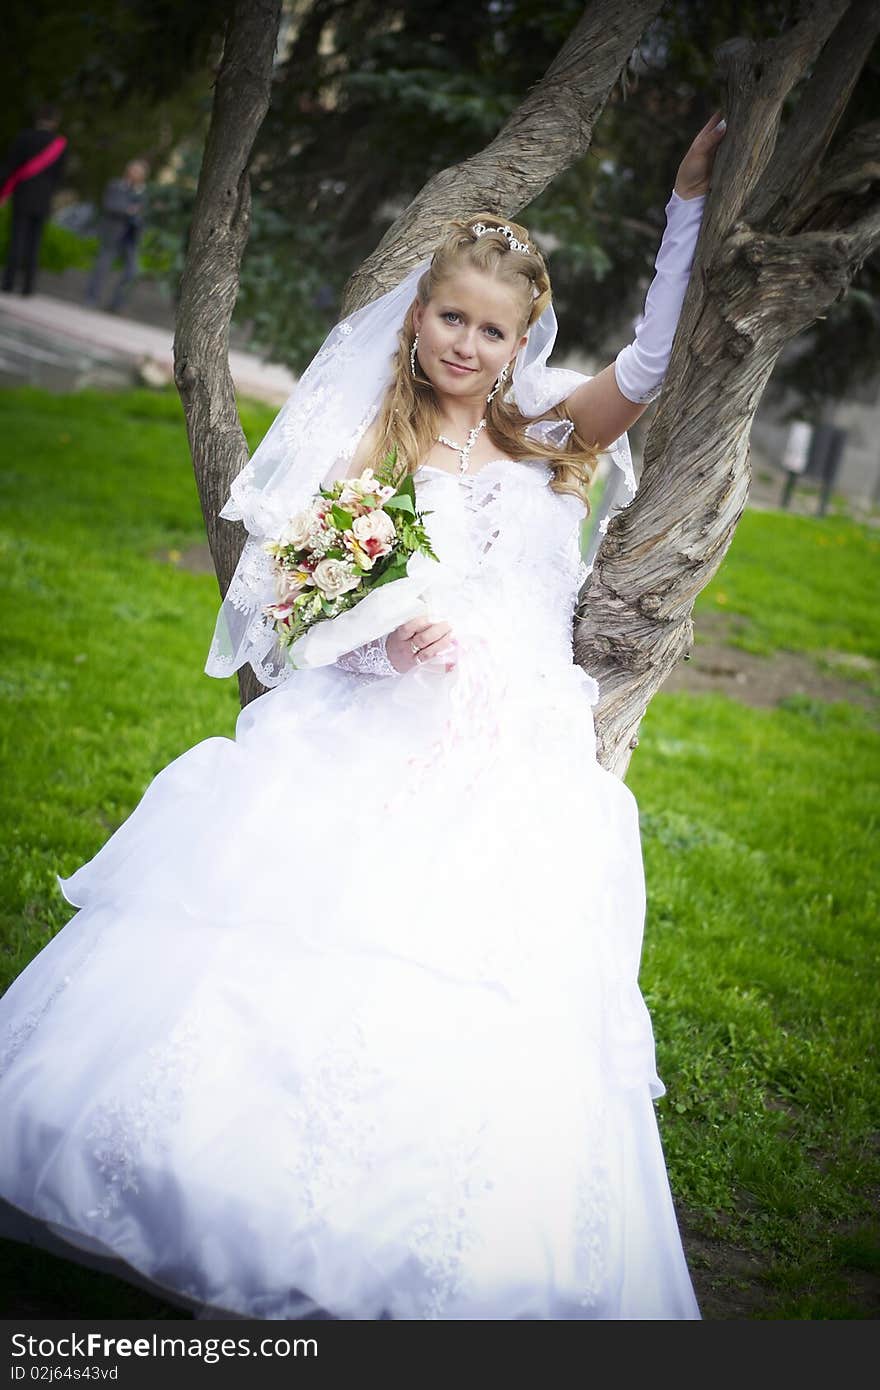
[751, 292]
[850, 178]
[821, 103]
[759, 78]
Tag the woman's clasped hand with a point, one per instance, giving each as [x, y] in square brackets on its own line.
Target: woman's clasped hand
[421, 642]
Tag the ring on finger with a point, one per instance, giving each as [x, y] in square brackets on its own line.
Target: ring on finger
[415, 648]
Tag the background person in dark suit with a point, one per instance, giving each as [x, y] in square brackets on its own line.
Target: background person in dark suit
[123, 208]
[31, 173]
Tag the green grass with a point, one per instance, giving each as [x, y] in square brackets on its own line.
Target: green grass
[759, 828]
[105, 643]
[760, 969]
[822, 572]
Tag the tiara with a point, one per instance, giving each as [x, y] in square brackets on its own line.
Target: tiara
[480, 229]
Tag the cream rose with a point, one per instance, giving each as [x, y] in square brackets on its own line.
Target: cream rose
[335, 577]
[299, 528]
[375, 532]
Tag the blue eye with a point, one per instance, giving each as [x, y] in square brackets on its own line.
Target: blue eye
[450, 316]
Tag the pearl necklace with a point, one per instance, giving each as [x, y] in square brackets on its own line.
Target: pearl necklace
[463, 450]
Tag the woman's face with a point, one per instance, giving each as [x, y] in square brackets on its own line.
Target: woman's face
[467, 333]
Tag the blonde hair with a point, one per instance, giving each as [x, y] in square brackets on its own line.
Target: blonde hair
[408, 417]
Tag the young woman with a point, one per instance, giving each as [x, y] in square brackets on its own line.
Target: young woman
[348, 1019]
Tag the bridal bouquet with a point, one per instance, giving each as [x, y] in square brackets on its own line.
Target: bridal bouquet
[354, 537]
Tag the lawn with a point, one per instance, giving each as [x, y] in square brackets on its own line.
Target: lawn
[759, 830]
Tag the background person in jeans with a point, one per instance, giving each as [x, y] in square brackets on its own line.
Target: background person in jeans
[123, 207]
[30, 174]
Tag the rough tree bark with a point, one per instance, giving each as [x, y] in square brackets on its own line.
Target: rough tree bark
[209, 285]
[783, 234]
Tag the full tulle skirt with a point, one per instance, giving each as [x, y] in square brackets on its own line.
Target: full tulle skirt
[348, 1020]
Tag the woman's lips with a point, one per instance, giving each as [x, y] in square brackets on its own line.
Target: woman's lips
[454, 367]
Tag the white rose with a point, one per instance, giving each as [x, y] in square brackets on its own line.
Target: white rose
[375, 532]
[297, 530]
[335, 577]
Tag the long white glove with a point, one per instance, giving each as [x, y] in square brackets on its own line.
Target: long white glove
[640, 367]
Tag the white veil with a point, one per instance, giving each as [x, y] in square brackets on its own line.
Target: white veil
[313, 438]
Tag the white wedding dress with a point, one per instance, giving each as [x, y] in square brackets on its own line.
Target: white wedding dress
[349, 1016]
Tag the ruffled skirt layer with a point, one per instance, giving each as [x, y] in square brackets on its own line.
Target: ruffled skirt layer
[348, 1020]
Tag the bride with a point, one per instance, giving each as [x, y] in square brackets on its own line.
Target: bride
[347, 1020]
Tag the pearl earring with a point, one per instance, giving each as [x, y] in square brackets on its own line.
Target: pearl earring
[499, 383]
[412, 354]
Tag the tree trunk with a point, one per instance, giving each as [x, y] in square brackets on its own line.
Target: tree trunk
[209, 285]
[781, 239]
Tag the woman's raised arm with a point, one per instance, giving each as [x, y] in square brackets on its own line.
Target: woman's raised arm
[607, 405]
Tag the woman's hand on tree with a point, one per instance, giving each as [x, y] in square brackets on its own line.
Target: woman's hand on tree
[695, 170]
[432, 639]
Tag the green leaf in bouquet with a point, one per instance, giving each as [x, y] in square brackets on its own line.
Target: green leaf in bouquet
[388, 470]
[400, 503]
[406, 488]
[425, 547]
[421, 540]
[396, 570]
[413, 536]
[336, 553]
[341, 518]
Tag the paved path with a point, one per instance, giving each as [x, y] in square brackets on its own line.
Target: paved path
[50, 341]
[54, 341]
